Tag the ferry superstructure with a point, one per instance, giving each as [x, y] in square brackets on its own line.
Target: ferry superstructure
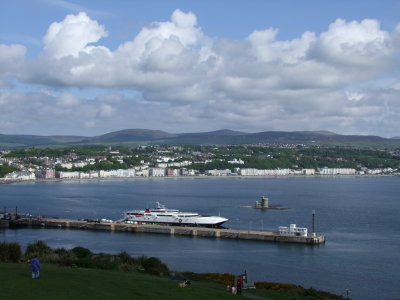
[162, 215]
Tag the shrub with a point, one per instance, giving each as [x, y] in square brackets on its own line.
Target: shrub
[155, 266]
[126, 258]
[130, 267]
[225, 278]
[64, 257]
[81, 252]
[310, 292]
[90, 263]
[10, 252]
[39, 248]
[61, 252]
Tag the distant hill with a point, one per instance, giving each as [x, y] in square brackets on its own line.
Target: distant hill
[36, 140]
[131, 135]
[307, 137]
[222, 132]
[219, 137]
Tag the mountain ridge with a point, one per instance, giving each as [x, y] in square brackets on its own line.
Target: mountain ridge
[217, 137]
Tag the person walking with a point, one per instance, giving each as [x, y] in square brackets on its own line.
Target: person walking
[239, 285]
[35, 267]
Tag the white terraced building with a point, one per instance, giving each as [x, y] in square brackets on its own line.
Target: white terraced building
[263, 172]
[337, 171]
[20, 175]
[157, 172]
[218, 172]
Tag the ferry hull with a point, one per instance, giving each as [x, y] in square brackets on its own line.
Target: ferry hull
[213, 223]
[163, 216]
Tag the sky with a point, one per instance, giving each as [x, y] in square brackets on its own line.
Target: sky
[93, 67]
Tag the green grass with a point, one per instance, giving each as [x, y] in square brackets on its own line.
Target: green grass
[59, 283]
[75, 283]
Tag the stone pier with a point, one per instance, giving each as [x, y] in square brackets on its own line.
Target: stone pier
[312, 239]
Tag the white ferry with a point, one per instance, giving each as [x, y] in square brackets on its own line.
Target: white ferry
[163, 215]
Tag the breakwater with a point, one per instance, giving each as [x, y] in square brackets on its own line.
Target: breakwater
[312, 239]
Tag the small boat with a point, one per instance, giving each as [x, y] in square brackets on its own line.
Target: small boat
[162, 215]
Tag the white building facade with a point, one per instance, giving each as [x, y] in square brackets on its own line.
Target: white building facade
[292, 230]
[337, 171]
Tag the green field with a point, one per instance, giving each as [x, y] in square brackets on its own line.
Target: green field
[58, 282]
[76, 283]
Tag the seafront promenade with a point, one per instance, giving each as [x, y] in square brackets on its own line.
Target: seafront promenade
[118, 226]
[54, 180]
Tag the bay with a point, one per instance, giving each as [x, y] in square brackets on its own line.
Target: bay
[358, 215]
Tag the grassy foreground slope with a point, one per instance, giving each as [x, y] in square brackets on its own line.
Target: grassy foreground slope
[75, 283]
[60, 283]
[80, 274]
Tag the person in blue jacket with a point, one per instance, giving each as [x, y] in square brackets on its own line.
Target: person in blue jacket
[35, 267]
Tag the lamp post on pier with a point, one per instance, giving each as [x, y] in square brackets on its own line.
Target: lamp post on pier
[347, 293]
[313, 220]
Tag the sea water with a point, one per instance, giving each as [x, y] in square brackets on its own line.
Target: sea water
[357, 215]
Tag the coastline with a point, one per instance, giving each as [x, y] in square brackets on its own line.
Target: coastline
[54, 180]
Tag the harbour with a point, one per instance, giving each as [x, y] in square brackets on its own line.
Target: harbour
[221, 233]
[357, 230]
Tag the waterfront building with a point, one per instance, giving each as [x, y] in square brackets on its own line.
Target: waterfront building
[172, 172]
[263, 172]
[218, 172]
[67, 175]
[250, 172]
[46, 174]
[308, 171]
[337, 171]
[108, 173]
[20, 175]
[84, 175]
[187, 172]
[157, 172]
[126, 173]
[142, 172]
[94, 174]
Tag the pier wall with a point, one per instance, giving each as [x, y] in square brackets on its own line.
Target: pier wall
[4, 224]
[163, 229]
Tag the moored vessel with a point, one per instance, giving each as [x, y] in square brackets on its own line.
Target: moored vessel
[162, 215]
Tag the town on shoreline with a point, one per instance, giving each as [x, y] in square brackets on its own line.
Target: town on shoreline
[119, 162]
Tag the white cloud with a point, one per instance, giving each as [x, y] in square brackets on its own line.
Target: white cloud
[177, 54]
[12, 58]
[182, 30]
[11, 54]
[106, 110]
[355, 44]
[259, 83]
[354, 96]
[72, 36]
[90, 124]
[67, 100]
